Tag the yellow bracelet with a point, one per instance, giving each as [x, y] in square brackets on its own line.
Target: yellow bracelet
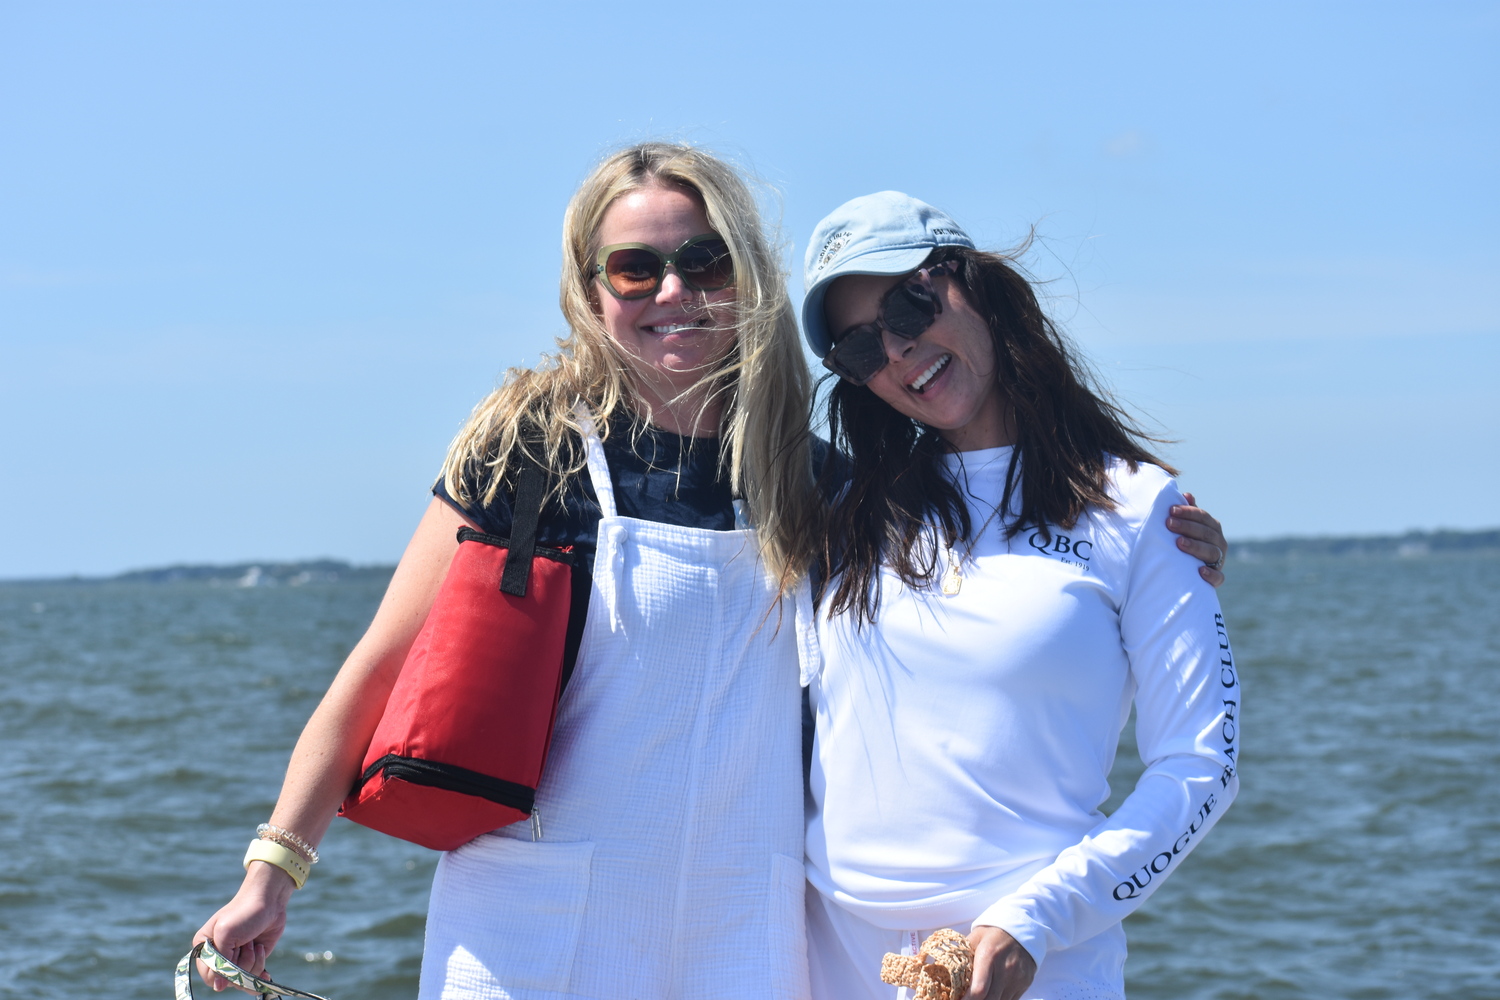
[282, 857]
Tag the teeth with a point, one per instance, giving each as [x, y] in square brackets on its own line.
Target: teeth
[920, 382]
[675, 328]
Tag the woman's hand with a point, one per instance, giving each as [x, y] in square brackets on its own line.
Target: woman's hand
[246, 929]
[1202, 538]
[1002, 968]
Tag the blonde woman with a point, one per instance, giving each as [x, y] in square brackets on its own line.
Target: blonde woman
[670, 857]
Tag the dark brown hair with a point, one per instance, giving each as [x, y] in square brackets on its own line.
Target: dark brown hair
[900, 497]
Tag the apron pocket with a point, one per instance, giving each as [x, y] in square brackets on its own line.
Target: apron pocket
[506, 914]
[787, 929]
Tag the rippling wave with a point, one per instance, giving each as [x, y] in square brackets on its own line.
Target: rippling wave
[146, 728]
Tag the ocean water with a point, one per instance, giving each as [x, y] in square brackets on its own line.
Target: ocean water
[145, 728]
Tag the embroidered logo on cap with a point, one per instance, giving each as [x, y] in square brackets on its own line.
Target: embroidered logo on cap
[831, 247]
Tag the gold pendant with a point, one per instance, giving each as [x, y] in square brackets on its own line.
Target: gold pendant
[952, 580]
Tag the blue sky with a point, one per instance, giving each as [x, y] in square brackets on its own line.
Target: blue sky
[258, 261]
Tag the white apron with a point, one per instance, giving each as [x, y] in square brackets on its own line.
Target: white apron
[670, 860]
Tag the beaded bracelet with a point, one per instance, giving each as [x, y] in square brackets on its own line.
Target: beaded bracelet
[287, 838]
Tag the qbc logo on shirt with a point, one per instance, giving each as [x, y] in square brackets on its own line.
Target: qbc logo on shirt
[1070, 549]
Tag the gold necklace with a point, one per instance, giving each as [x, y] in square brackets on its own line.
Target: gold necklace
[953, 579]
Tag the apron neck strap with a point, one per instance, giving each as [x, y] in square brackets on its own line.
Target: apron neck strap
[593, 449]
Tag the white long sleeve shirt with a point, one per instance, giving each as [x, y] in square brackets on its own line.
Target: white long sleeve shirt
[964, 741]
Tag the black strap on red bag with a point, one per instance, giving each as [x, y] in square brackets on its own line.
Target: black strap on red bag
[463, 740]
[531, 487]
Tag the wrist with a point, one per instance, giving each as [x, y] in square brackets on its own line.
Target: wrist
[1010, 917]
[289, 859]
[269, 882]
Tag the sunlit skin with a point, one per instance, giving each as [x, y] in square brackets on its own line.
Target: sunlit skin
[964, 401]
[674, 336]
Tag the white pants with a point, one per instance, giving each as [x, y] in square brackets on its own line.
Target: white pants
[844, 953]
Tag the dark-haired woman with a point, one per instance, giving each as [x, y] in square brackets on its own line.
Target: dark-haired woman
[1003, 585]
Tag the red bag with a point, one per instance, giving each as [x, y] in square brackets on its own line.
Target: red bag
[464, 737]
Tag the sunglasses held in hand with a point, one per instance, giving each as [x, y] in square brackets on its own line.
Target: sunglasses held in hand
[636, 270]
[906, 311]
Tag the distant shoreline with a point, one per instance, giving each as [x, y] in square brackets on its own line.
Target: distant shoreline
[246, 574]
[1412, 544]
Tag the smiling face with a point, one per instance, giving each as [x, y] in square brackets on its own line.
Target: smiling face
[675, 336]
[946, 377]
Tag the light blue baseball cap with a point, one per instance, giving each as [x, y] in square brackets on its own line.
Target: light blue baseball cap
[882, 233]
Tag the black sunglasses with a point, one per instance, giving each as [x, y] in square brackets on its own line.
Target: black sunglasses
[636, 270]
[907, 310]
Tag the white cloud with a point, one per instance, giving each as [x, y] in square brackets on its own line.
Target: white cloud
[1131, 142]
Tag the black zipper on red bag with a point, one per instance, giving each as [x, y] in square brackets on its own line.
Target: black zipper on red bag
[562, 555]
[452, 778]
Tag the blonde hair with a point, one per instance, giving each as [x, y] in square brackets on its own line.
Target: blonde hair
[762, 383]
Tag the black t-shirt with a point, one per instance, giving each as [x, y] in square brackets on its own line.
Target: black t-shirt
[658, 476]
